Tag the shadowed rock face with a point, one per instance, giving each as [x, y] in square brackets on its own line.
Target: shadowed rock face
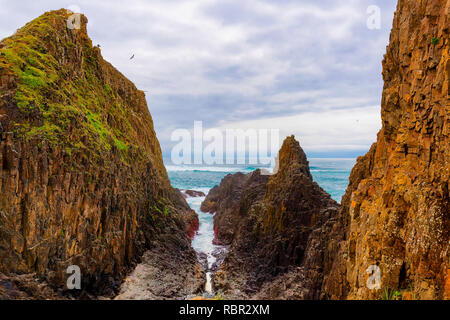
[397, 203]
[275, 225]
[230, 202]
[82, 180]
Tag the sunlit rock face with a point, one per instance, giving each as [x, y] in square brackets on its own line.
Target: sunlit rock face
[82, 181]
[397, 202]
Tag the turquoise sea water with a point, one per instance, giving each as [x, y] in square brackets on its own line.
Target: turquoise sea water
[331, 174]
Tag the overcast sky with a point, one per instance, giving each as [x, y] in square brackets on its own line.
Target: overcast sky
[309, 68]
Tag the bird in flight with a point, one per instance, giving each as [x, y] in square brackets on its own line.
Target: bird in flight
[132, 57]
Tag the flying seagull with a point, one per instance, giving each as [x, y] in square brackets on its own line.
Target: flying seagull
[132, 57]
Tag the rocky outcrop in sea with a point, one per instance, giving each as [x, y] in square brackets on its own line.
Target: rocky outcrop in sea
[392, 231]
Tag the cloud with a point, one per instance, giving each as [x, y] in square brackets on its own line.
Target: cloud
[233, 61]
[348, 129]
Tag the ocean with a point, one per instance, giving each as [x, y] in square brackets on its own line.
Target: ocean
[331, 174]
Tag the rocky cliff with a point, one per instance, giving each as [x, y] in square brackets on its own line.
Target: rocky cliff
[396, 208]
[395, 216]
[82, 180]
[279, 225]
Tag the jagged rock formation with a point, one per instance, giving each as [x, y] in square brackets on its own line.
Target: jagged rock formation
[26, 287]
[396, 209]
[230, 202]
[279, 224]
[395, 214]
[82, 180]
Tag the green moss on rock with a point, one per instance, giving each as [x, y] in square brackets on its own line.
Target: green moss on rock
[63, 89]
